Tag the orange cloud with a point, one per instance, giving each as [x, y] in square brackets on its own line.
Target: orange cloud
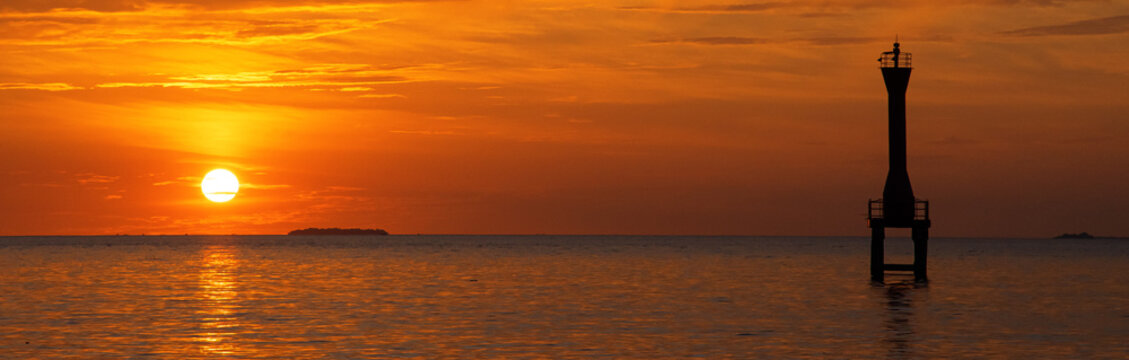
[88, 178]
[173, 24]
[1100, 26]
[39, 86]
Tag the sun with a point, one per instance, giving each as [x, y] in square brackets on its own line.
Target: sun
[220, 185]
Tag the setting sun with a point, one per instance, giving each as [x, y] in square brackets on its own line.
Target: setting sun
[220, 185]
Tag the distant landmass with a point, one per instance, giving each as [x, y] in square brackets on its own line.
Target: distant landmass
[1081, 235]
[338, 231]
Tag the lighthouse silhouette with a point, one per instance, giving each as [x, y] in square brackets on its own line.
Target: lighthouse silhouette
[897, 208]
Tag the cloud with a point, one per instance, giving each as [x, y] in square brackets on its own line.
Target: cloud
[89, 178]
[183, 181]
[744, 7]
[716, 40]
[94, 5]
[742, 40]
[1040, 3]
[825, 7]
[263, 186]
[802, 8]
[238, 85]
[840, 40]
[720, 8]
[172, 24]
[382, 96]
[259, 218]
[113, 197]
[1101, 26]
[344, 188]
[339, 77]
[422, 132]
[139, 5]
[38, 86]
[235, 77]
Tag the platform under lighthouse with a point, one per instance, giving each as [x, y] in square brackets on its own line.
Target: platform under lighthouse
[897, 208]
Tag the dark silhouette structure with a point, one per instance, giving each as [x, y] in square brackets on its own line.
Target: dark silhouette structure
[337, 231]
[1081, 235]
[897, 208]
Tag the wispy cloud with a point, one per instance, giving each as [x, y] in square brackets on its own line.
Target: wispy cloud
[179, 24]
[263, 186]
[89, 178]
[183, 181]
[821, 7]
[716, 8]
[339, 77]
[840, 40]
[1100, 26]
[112, 6]
[745, 40]
[716, 40]
[423, 132]
[237, 85]
[344, 188]
[381, 96]
[38, 86]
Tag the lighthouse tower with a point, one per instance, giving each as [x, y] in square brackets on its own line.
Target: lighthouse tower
[897, 208]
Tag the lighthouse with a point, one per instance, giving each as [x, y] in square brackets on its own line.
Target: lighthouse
[897, 208]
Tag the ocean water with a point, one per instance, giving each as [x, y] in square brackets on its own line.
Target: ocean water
[556, 297]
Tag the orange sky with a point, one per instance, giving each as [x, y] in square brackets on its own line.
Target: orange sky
[638, 117]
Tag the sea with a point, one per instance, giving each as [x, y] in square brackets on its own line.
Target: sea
[557, 297]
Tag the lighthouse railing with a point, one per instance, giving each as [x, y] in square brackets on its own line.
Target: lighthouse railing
[904, 60]
[875, 209]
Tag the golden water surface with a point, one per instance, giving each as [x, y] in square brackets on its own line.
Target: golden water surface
[532, 297]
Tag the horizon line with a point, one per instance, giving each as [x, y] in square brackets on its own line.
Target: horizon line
[560, 234]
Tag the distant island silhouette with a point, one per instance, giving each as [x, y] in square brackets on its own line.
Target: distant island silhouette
[337, 231]
[1081, 235]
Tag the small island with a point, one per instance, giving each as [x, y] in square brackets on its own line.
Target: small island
[1081, 235]
[338, 231]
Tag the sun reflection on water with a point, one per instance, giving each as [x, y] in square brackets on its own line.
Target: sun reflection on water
[218, 312]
